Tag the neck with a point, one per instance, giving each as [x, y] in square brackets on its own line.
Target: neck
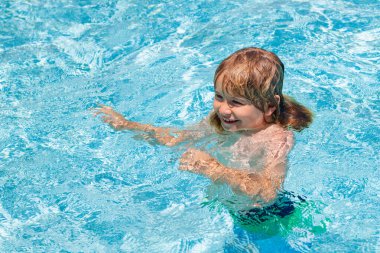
[249, 132]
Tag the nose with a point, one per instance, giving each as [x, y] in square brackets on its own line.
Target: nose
[225, 109]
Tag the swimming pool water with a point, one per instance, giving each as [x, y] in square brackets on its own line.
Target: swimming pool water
[71, 184]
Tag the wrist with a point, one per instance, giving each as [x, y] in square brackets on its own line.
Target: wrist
[126, 124]
[216, 170]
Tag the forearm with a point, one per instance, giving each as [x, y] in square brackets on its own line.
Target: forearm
[249, 183]
[131, 125]
[166, 136]
[218, 172]
[264, 182]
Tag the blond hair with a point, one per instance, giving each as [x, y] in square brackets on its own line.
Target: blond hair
[258, 75]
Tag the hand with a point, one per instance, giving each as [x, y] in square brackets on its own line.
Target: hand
[196, 161]
[110, 116]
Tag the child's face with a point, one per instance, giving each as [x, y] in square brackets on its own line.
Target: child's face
[237, 113]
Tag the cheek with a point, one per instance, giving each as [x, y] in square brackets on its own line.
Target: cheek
[251, 114]
[215, 104]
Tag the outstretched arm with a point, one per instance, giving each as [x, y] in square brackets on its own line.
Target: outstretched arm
[166, 136]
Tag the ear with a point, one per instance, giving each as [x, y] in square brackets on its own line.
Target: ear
[277, 97]
[271, 109]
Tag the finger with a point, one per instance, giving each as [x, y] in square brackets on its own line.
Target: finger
[105, 110]
[96, 112]
[184, 167]
[185, 163]
[107, 107]
[93, 109]
[104, 107]
[184, 157]
[107, 119]
[188, 155]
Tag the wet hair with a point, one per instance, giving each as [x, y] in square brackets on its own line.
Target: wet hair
[258, 75]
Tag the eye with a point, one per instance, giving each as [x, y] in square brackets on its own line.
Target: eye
[236, 102]
[218, 97]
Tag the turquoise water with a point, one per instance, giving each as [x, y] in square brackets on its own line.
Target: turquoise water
[71, 184]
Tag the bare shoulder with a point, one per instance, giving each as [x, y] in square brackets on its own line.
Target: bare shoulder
[280, 134]
[280, 141]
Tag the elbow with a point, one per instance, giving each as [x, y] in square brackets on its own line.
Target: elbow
[268, 195]
[259, 186]
[251, 185]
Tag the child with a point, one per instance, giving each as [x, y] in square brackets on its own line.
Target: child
[250, 108]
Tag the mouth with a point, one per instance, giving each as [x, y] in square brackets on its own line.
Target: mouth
[228, 121]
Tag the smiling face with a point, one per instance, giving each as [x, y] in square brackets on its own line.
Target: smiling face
[237, 113]
[248, 91]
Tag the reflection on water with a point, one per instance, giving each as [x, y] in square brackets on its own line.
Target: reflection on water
[70, 183]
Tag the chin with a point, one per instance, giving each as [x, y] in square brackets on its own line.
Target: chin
[233, 129]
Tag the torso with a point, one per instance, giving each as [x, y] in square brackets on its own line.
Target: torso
[243, 152]
[251, 151]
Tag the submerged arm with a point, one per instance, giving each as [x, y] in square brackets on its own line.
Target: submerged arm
[166, 136]
[264, 183]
